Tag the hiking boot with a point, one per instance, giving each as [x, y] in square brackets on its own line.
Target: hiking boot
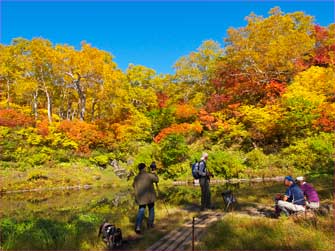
[150, 225]
[137, 229]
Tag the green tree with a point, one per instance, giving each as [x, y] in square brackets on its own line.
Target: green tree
[173, 150]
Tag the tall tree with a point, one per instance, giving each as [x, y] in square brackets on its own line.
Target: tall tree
[263, 52]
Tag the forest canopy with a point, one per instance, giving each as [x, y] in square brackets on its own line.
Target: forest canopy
[260, 104]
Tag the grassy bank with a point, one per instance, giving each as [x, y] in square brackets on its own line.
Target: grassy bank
[242, 232]
[57, 177]
[239, 231]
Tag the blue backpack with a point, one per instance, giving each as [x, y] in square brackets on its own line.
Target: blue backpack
[195, 170]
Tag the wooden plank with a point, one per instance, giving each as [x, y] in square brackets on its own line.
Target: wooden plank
[178, 239]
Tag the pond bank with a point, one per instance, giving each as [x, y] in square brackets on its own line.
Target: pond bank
[232, 181]
[175, 183]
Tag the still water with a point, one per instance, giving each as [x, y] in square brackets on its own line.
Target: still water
[69, 220]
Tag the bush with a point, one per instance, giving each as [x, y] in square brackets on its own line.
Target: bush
[311, 154]
[12, 118]
[228, 164]
[37, 159]
[100, 160]
[86, 135]
[256, 159]
[62, 155]
[179, 170]
[173, 150]
[146, 154]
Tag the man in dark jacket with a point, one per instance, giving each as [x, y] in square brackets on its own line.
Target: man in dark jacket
[145, 195]
[293, 200]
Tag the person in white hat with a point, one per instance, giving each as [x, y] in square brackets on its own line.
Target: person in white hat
[312, 198]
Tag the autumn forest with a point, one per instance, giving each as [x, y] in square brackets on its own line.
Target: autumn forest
[261, 104]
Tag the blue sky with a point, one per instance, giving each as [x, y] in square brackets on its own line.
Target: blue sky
[151, 33]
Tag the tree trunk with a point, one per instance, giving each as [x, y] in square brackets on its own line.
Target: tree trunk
[35, 105]
[82, 99]
[93, 109]
[49, 105]
[8, 94]
[68, 110]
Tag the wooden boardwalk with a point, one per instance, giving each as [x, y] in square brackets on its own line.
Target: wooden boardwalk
[181, 238]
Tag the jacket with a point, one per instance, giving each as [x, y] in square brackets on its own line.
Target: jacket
[144, 187]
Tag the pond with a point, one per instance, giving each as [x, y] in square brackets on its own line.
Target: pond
[70, 220]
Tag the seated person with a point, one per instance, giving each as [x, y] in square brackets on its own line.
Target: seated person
[312, 198]
[292, 201]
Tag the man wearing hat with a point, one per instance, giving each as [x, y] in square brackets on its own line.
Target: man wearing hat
[312, 198]
[293, 200]
[145, 195]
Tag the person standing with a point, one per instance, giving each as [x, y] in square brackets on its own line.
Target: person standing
[145, 195]
[312, 198]
[204, 178]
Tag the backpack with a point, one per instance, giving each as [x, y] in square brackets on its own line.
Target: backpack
[195, 170]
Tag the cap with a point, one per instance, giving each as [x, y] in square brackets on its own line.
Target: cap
[300, 178]
[153, 165]
[289, 178]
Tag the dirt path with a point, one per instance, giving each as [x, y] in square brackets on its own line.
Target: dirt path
[181, 238]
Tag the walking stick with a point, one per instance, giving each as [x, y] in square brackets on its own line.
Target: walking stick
[193, 222]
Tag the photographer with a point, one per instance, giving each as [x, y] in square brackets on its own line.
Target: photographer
[204, 183]
[145, 195]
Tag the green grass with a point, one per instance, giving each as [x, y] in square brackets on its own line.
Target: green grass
[242, 232]
[238, 231]
[77, 174]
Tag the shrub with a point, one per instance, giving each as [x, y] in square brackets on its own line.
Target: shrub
[183, 129]
[186, 113]
[228, 164]
[256, 159]
[84, 134]
[12, 118]
[100, 160]
[146, 154]
[311, 154]
[178, 170]
[37, 159]
[173, 150]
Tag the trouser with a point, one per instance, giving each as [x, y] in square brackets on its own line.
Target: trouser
[140, 214]
[312, 205]
[205, 193]
[288, 207]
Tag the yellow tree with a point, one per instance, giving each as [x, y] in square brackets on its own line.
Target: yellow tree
[12, 66]
[194, 71]
[143, 87]
[84, 72]
[44, 62]
[261, 58]
[305, 101]
[267, 48]
[113, 96]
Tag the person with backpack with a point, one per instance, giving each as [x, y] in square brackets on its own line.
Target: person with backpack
[145, 195]
[204, 178]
